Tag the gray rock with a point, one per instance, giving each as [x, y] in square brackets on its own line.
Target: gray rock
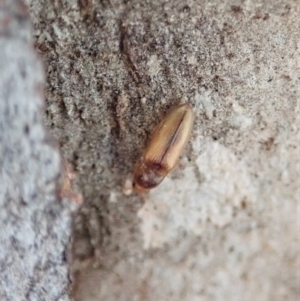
[224, 225]
[34, 222]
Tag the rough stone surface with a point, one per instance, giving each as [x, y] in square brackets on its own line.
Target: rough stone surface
[35, 225]
[225, 225]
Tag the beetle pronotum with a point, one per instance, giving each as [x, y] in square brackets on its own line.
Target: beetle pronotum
[165, 147]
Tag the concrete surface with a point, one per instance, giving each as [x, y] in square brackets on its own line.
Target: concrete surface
[35, 222]
[225, 225]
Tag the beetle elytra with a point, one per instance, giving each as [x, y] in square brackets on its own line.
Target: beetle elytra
[165, 147]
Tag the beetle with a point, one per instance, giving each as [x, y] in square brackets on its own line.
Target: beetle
[166, 145]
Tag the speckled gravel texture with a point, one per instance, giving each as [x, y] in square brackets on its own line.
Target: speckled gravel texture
[35, 222]
[223, 226]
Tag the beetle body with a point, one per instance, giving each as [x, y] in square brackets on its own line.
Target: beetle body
[165, 147]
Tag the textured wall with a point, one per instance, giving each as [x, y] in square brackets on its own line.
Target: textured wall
[225, 224]
[35, 223]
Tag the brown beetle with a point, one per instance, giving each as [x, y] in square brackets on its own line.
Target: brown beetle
[166, 145]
